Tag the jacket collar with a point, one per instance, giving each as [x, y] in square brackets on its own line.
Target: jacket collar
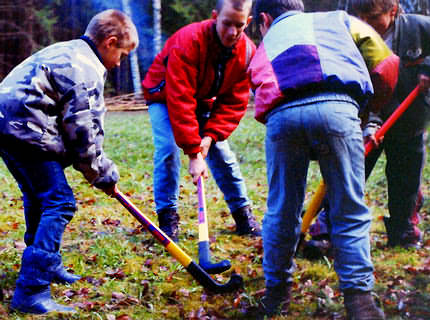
[92, 46]
[286, 15]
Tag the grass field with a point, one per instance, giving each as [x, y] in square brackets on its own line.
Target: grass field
[127, 275]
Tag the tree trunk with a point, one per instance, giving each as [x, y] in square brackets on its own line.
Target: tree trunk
[156, 5]
[134, 64]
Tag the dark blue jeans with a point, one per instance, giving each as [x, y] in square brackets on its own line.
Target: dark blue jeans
[49, 205]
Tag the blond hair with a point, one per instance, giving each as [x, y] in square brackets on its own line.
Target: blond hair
[239, 5]
[113, 23]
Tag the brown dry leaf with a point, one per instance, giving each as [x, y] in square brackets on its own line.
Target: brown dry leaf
[132, 300]
[15, 225]
[197, 314]
[184, 292]
[410, 269]
[236, 302]
[204, 297]
[94, 281]
[116, 274]
[3, 312]
[83, 292]
[124, 317]
[20, 245]
[252, 273]
[170, 276]
[111, 222]
[87, 305]
[148, 262]
[118, 295]
[328, 291]
[69, 293]
[145, 284]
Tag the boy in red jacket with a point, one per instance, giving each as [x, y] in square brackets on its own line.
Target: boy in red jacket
[197, 90]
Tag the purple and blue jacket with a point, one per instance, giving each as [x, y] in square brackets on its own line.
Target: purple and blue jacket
[303, 54]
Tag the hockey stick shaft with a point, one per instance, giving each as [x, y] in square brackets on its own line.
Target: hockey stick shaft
[193, 268]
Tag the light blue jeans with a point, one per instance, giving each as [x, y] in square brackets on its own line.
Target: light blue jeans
[221, 161]
[326, 128]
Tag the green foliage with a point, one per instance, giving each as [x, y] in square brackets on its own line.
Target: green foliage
[177, 13]
[126, 273]
[48, 20]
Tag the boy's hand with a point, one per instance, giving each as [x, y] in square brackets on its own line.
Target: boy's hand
[197, 167]
[205, 145]
[369, 133]
[424, 83]
[109, 190]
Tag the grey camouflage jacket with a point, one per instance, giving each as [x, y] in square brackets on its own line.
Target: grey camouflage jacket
[54, 101]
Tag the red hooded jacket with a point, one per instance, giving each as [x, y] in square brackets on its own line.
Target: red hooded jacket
[184, 76]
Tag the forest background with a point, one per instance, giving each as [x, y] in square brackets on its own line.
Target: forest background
[126, 275]
[29, 25]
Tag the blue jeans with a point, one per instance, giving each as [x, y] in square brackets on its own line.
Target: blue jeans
[221, 161]
[325, 128]
[49, 205]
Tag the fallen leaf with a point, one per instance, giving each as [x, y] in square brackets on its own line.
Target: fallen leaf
[118, 295]
[116, 274]
[184, 292]
[20, 245]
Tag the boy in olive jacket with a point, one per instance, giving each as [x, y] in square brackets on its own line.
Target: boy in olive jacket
[408, 35]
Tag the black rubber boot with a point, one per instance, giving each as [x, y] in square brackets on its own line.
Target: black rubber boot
[360, 305]
[61, 275]
[168, 221]
[246, 222]
[36, 300]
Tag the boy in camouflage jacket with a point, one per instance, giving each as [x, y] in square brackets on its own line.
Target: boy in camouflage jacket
[51, 116]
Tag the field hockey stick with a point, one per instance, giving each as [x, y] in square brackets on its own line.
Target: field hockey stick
[193, 268]
[204, 250]
[317, 199]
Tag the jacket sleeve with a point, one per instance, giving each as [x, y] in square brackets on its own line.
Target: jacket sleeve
[181, 88]
[83, 134]
[382, 63]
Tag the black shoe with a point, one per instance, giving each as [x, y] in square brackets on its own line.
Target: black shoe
[246, 222]
[360, 305]
[168, 221]
[36, 300]
[407, 235]
[62, 276]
